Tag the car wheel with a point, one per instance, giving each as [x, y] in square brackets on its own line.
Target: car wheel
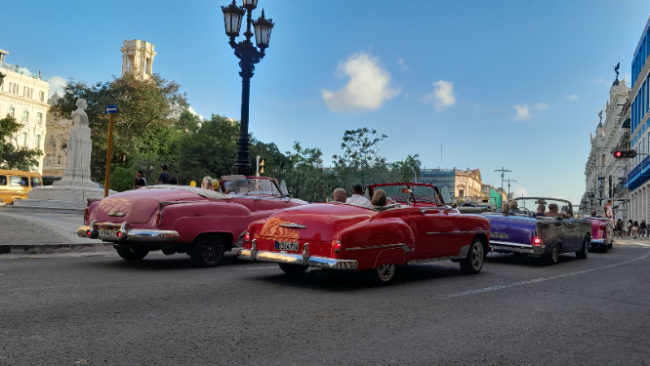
[292, 269]
[473, 263]
[385, 273]
[132, 254]
[553, 256]
[604, 248]
[207, 251]
[610, 245]
[584, 251]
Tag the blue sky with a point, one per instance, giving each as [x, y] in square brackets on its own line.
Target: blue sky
[497, 83]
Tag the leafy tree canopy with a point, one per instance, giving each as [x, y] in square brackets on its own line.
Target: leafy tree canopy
[11, 157]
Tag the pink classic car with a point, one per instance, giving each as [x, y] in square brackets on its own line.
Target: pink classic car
[602, 233]
[182, 219]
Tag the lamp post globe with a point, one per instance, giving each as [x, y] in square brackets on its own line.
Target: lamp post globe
[248, 55]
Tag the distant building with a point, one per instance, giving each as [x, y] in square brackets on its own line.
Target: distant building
[23, 95]
[137, 58]
[459, 183]
[493, 193]
[58, 132]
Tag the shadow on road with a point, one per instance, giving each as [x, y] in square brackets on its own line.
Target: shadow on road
[340, 281]
[522, 260]
[167, 262]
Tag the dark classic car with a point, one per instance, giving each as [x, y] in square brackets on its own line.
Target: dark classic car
[340, 236]
[183, 219]
[523, 231]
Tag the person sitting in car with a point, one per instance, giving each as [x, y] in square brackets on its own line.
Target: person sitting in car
[553, 211]
[379, 199]
[540, 210]
[514, 209]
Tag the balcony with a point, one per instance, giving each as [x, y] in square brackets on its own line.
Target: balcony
[639, 174]
[16, 69]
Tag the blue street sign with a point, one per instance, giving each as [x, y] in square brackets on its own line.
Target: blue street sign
[110, 109]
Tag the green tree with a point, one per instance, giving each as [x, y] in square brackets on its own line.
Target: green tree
[146, 111]
[11, 157]
[306, 179]
[360, 162]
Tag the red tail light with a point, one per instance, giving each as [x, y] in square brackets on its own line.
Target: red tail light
[85, 215]
[337, 247]
[603, 227]
[89, 233]
[247, 236]
[537, 241]
[158, 218]
[119, 234]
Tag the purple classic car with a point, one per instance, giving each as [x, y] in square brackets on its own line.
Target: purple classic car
[523, 230]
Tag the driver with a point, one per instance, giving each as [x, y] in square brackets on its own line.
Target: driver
[514, 207]
[553, 211]
[540, 210]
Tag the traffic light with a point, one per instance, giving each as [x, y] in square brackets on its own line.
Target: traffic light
[262, 166]
[624, 154]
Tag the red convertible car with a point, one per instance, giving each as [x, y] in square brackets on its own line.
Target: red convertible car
[602, 232]
[182, 219]
[339, 236]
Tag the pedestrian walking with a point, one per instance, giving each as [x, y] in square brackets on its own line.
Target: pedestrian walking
[139, 180]
[619, 228]
[635, 229]
[643, 227]
[629, 227]
[609, 213]
[163, 178]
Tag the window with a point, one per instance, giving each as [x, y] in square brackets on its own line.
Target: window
[39, 118]
[18, 181]
[23, 138]
[27, 92]
[461, 193]
[58, 161]
[41, 96]
[38, 142]
[53, 142]
[36, 181]
[11, 111]
[25, 116]
[602, 160]
[48, 160]
[3, 180]
[13, 88]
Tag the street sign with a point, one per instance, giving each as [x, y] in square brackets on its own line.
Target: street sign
[110, 109]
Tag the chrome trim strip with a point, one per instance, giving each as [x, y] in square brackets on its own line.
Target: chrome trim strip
[504, 247]
[458, 232]
[298, 259]
[116, 214]
[461, 254]
[292, 225]
[130, 235]
[397, 245]
[518, 245]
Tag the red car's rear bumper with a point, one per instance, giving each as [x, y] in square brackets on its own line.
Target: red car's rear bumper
[303, 259]
[142, 235]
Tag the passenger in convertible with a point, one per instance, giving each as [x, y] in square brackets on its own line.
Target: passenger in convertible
[379, 198]
[553, 211]
[540, 210]
[514, 209]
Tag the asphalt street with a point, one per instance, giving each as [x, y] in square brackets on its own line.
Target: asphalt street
[101, 310]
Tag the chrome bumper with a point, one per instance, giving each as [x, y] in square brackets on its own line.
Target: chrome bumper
[128, 235]
[505, 247]
[600, 241]
[303, 259]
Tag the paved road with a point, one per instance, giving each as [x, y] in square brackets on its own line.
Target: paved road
[161, 311]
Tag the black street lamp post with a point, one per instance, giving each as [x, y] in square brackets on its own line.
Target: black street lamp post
[248, 55]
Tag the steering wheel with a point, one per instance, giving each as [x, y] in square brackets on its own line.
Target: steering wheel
[526, 211]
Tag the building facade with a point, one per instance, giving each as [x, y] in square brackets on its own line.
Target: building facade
[137, 58]
[604, 174]
[638, 178]
[454, 184]
[23, 95]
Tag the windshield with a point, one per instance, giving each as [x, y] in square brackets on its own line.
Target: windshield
[399, 192]
[253, 187]
[479, 201]
[548, 205]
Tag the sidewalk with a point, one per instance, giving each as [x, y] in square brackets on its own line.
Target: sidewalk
[37, 233]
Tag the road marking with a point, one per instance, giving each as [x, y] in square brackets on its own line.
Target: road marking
[536, 280]
[265, 267]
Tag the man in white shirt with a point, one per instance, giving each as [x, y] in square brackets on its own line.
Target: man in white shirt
[357, 198]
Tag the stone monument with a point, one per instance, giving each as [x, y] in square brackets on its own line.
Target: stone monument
[73, 191]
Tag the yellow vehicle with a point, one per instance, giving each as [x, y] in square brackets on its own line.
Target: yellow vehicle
[15, 184]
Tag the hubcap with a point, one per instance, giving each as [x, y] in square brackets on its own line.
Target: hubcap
[477, 255]
[211, 250]
[386, 272]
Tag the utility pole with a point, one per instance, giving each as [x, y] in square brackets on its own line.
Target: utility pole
[503, 171]
[509, 180]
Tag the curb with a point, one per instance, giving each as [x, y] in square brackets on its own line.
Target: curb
[43, 209]
[53, 248]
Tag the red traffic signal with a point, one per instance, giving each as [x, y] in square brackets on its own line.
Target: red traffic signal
[624, 154]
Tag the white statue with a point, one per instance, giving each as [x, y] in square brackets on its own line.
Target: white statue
[78, 152]
[79, 116]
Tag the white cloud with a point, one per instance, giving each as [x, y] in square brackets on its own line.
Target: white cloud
[402, 64]
[541, 106]
[368, 87]
[522, 112]
[519, 191]
[571, 97]
[57, 84]
[442, 95]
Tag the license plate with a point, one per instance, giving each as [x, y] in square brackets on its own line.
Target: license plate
[286, 245]
[107, 233]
